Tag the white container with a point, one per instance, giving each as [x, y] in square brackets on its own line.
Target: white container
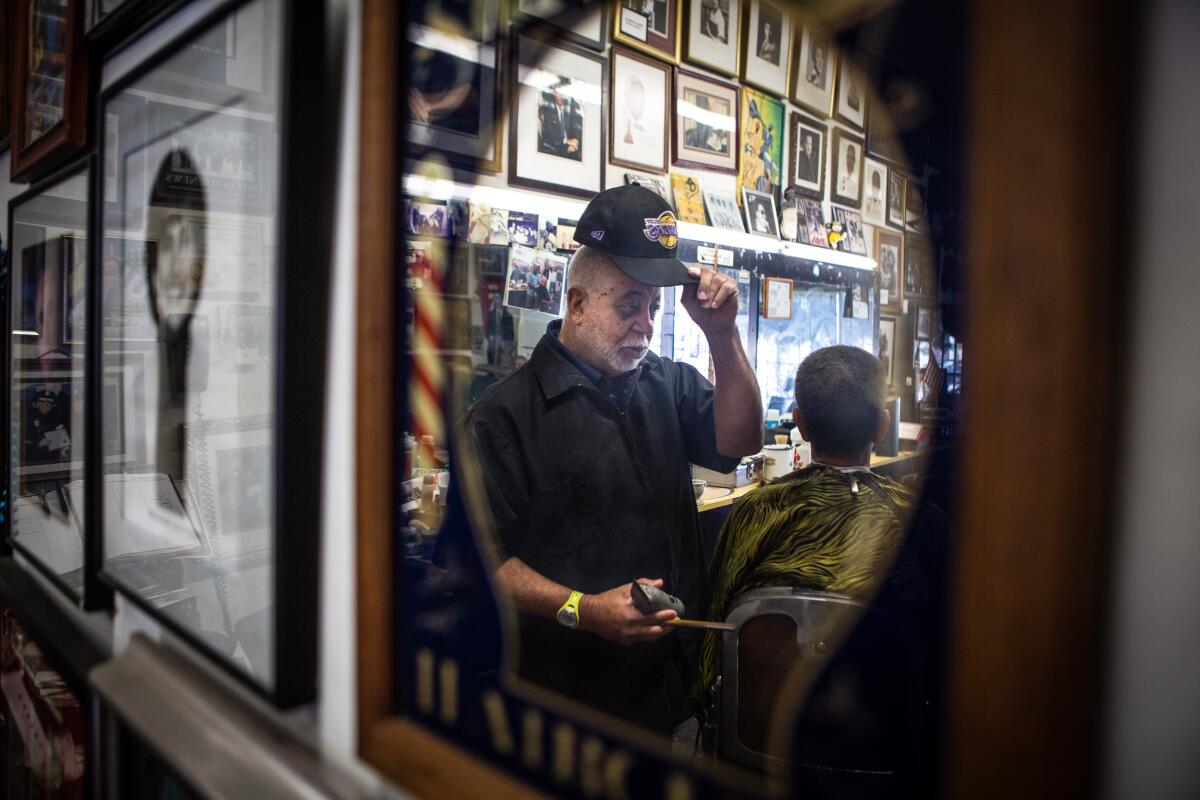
[778, 461]
[801, 455]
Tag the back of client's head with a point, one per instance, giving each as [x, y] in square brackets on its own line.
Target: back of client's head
[839, 397]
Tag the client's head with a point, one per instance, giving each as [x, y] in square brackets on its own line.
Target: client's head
[839, 404]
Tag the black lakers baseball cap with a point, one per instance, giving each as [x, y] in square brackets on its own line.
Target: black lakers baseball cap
[636, 228]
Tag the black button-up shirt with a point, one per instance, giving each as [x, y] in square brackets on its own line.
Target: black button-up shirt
[589, 485]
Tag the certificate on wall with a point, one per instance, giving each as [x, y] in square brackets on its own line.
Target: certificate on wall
[777, 298]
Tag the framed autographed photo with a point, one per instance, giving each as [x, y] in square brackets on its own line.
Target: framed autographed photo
[777, 298]
[649, 25]
[712, 31]
[49, 83]
[454, 91]
[761, 216]
[705, 123]
[896, 193]
[852, 229]
[875, 184]
[807, 162]
[639, 111]
[847, 168]
[556, 118]
[851, 105]
[813, 71]
[768, 37]
[584, 24]
[889, 258]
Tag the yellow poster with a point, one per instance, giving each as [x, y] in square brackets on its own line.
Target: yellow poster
[689, 204]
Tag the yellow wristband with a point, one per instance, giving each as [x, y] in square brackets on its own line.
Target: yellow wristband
[568, 614]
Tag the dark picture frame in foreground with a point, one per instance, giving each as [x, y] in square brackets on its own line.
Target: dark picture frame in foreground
[556, 131]
[237, 481]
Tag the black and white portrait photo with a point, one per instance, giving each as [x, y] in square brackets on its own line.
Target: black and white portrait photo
[816, 70]
[560, 122]
[769, 32]
[714, 20]
[813, 70]
[847, 169]
[807, 155]
[770, 29]
[874, 192]
[760, 213]
[711, 34]
[888, 248]
[895, 199]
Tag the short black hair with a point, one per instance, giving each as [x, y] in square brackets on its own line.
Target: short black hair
[839, 392]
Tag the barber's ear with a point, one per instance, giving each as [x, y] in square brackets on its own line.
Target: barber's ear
[575, 300]
[885, 422]
[800, 426]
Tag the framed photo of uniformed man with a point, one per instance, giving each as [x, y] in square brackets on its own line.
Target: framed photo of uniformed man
[556, 124]
[807, 162]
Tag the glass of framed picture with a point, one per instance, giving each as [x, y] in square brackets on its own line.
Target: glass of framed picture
[808, 143]
[847, 168]
[638, 113]
[453, 84]
[48, 335]
[813, 70]
[851, 105]
[768, 37]
[760, 142]
[649, 25]
[705, 123]
[192, 308]
[556, 121]
[889, 260]
[584, 24]
[712, 31]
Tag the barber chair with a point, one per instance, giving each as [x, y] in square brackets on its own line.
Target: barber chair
[863, 724]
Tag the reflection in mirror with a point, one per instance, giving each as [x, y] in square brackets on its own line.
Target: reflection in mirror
[188, 306]
[49, 251]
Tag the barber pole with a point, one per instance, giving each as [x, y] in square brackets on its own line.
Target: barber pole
[427, 383]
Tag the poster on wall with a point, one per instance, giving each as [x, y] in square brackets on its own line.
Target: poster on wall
[761, 142]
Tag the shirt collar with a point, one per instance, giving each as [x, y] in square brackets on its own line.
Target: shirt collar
[552, 330]
[558, 370]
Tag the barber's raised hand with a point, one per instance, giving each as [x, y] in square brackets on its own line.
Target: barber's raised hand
[712, 303]
[613, 615]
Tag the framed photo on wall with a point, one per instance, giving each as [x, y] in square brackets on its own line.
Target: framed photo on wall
[760, 149]
[852, 227]
[914, 209]
[768, 37]
[705, 122]
[814, 223]
[887, 347]
[851, 106]
[881, 137]
[847, 169]
[807, 162]
[924, 325]
[556, 123]
[895, 199]
[813, 71]
[654, 183]
[638, 114]
[711, 34]
[723, 211]
[777, 298]
[761, 216]
[581, 24]
[889, 258]
[875, 186]
[649, 25]
[919, 274]
[50, 85]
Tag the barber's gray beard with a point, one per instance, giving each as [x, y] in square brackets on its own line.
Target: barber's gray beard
[611, 353]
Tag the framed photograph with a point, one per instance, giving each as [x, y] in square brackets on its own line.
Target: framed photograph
[813, 71]
[583, 24]
[807, 162]
[777, 298]
[427, 218]
[689, 204]
[813, 223]
[924, 325]
[919, 273]
[847, 168]
[874, 206]
[887, 347]
[638, 114]
[723, 211]
[851, 103]
[522, 228]
[535, 281]
[852, 228]
[760, 136]
[711, 34]
[652, 26]
[915, 218]
[654, 183]
[556, 121]
[889, 256]
[454, 91]
[896, 193]
[761, 216]
[705, 123]
[882, 142]
[49, 83]
[768, 37]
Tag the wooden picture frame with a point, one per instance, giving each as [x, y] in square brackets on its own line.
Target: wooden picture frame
[766, 64]
[850, 97]
[889, 258]
[525, 145]
[847, 158]
[920, 273]
[572, 21]
[777, 298]
[803, 129]
[814, 70]
[896, 194]
[639, 30]
[706, 38]
[686, 151]
[653, 119]
[38, 145]
[874, 203]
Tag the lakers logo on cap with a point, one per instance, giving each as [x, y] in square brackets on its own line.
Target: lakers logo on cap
[662, 229]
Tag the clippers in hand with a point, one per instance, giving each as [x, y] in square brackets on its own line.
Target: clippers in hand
[650, 599]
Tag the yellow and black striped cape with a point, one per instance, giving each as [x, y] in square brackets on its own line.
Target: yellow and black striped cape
[809, 529]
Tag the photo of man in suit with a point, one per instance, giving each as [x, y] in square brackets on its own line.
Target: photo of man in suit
[560, 122]
[809, 159]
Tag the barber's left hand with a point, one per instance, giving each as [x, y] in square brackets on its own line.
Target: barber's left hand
[712, 303]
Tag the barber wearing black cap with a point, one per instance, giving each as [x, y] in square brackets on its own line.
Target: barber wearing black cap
[585, 454]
